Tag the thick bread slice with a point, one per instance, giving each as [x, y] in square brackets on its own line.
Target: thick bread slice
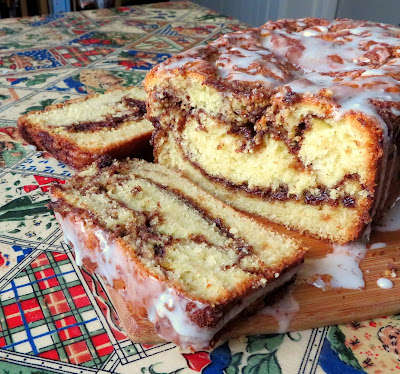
[79, 131]
[175, 254]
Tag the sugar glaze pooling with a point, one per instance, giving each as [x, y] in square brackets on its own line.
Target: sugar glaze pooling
[282, 311]
[384, 283]
[378, 246]
[341, 266]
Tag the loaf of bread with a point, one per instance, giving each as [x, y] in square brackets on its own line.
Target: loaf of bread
[80, 131]
[296, 121]
[173, 253]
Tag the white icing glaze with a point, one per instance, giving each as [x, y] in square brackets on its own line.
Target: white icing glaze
[313, 57]
[181, 62]
[341, 266]
[283, 311]
[343, 53]
[240, 58]
[166, 307]
[309, 32]
[384, 283]
[378, 246]
[322, 28]
[140, 289]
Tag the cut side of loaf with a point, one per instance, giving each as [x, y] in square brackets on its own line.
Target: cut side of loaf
[296, 121]
[175, 254]
[80, 131]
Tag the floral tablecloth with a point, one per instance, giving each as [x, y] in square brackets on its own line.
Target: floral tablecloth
[55, 317]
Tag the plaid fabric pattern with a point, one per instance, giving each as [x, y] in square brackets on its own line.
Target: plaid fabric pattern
[80, 56]
[47, 312]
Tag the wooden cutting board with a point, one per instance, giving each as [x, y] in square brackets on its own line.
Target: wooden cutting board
[316, 307]
[335, 306]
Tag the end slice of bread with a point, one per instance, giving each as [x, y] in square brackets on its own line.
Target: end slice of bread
[80, 131]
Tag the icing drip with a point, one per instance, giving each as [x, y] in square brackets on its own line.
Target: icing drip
[378, 246]
[166, 307]
[339, 269]
[283, 311]
[391, 221]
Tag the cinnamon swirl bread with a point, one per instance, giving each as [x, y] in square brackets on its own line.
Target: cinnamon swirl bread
[175, 254]
[296, 121]
[78, 132]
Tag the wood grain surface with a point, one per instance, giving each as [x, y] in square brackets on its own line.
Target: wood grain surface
[317, 307]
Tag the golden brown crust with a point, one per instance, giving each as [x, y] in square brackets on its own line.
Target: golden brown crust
[64, 150]
[282, 45]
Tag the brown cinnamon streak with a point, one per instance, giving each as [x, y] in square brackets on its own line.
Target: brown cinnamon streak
[281, 193]
[136, 104]
[137, 112]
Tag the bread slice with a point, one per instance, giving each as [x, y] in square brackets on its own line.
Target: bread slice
[297, 121]
[80, 131]
[174, 253]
